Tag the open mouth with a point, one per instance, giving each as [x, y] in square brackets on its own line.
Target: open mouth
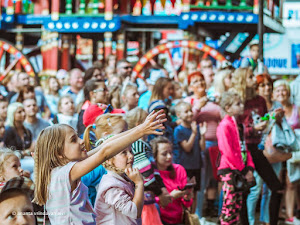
[84, 150]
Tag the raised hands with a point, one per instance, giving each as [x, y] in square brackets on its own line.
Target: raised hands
[154, 123]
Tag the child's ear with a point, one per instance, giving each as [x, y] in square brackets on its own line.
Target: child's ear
[2, 178]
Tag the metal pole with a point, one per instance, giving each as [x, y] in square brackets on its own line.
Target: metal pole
[261, 30]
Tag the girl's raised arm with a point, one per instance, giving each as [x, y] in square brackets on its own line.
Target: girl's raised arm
[116, 144]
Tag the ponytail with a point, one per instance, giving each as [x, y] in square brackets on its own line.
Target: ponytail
[86, 137]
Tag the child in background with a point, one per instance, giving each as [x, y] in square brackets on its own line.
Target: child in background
[61, 160]
[3, 109]
[189, 139]
[10, 166]
[66, 112]
[106, 125]
[175, 179]
[144, 161]
[130, 97]
[234, 157]
[120, 196]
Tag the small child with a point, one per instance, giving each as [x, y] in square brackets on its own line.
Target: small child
[105, 125]
[10, 166]
[234, 157]
[120, 196]
[66, 112]
[189, 139]
[61, 159]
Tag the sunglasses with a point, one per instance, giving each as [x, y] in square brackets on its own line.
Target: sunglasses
[127, 67]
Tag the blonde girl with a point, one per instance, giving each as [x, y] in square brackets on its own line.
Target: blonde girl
[61, 159]
[107, 124]
[120, 196]
[10, 166]
[104, 125]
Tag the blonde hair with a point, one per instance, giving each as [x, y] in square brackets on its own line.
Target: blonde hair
[135, 116]
[11, 110]
[281, 82]
[104, 123]
[239, 84]
[49, 154]
[5, 153]
[228, 98]
[219, 80]
[181, 104]
[60, 101]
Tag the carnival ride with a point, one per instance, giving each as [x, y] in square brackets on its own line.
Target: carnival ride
[52, 28]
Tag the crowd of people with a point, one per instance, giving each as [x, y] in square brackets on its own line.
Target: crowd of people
[104, 147]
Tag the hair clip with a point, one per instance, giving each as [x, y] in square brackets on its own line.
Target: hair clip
[94, 126]
[108, 122]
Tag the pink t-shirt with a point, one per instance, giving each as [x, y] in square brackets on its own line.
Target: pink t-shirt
[173, 212]
[210, 113]
[65, 206]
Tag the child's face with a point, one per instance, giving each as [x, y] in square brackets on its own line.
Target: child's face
[177, 91]
[53, 85]
[3, 110]
[123, 160]
[17, 210]
[164, 155]
[2, 129]
[11, 168]
[67, 106]
[236, 109]
[185, 114]
[132, 97]
[74, 148]
[254, 52]
[250, 79]
[168, 90]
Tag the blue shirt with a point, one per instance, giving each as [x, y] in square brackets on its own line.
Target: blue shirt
[189, 160]
[144, 100]
[91, 180]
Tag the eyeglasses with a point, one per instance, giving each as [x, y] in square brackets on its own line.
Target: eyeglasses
[100, 90]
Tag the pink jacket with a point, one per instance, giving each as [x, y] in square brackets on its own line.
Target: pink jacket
[114, 205]
[230, 148]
